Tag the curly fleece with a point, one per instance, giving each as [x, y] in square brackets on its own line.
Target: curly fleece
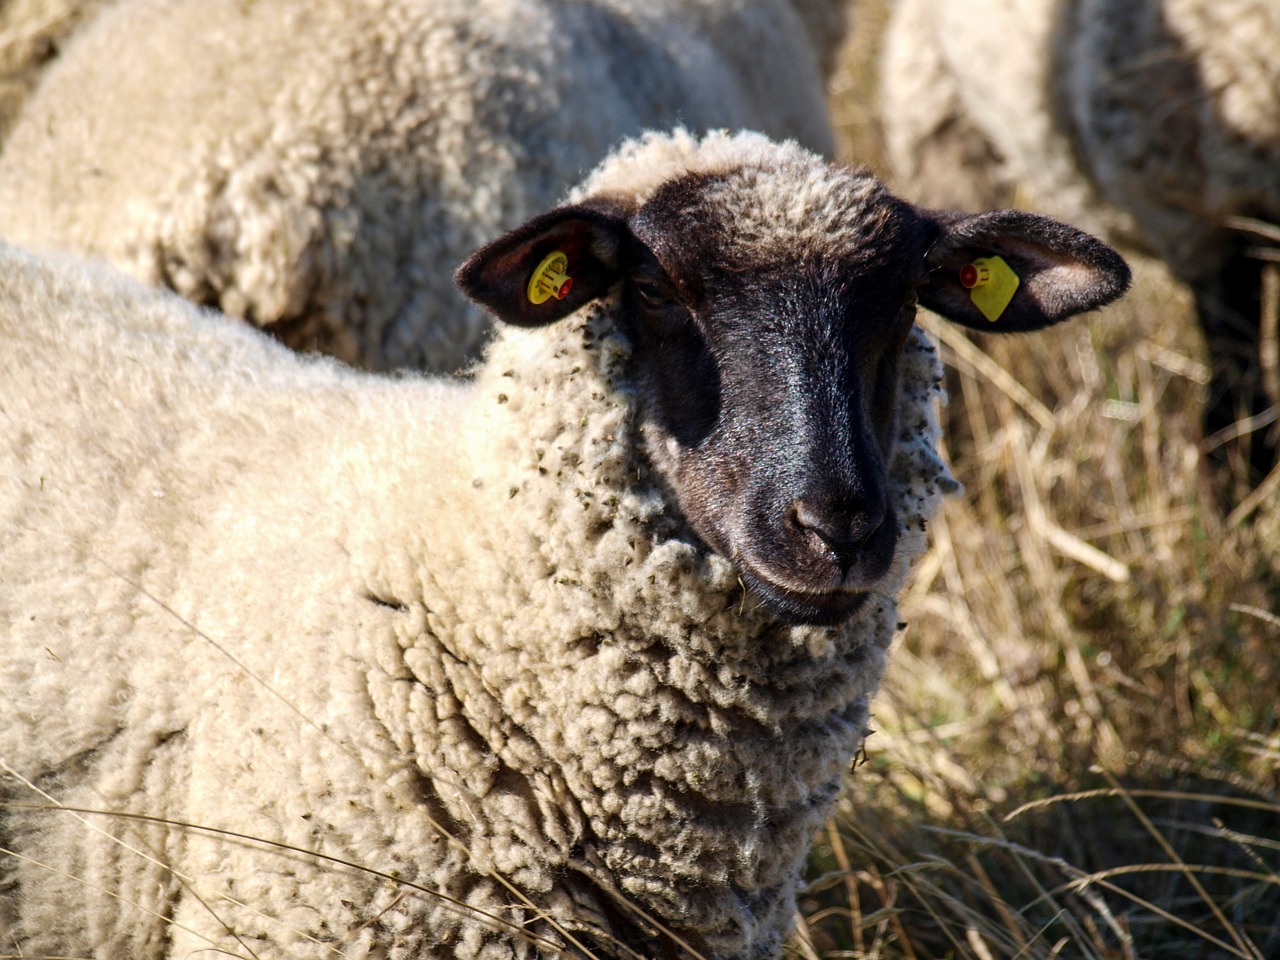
[32, 32]
[457, 634]
[319, 168]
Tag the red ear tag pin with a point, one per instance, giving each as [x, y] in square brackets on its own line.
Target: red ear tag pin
[972, 275]
[550, 279]
[991, 284]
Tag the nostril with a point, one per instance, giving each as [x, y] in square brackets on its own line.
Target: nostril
[805, 517]
[842, 530]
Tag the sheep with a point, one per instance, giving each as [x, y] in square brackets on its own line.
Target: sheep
[569, 656]
[966, 104]
[31, 33]
[1168, 109]
[319, 168]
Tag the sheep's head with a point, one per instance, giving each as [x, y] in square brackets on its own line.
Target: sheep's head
[768, 304]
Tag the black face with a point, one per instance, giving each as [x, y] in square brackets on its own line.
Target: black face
[770, 398]
[769, 303]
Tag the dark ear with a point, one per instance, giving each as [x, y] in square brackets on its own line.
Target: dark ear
[1046, 271]
[547, 268]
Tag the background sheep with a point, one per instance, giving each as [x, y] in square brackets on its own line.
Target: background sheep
[1168, 108]
[31, 34]
[483, 634]
[320, 168]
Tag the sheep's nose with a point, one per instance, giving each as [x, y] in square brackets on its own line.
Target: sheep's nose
[843, 528]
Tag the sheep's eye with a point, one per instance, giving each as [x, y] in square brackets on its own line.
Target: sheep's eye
[653, 294]
[658, 308]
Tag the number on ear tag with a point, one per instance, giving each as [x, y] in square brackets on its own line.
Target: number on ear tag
[991, 284]
[550, 279]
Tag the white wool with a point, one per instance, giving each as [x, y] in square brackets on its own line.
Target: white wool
[448, 632]
[1188, 132]
[31, 34]
[320, 168]
[1168, 109]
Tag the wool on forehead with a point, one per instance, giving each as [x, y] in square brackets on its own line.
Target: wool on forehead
[793, 211]
[767, 199]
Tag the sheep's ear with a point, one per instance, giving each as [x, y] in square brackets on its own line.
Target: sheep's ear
[1006, 271]
[547, 268]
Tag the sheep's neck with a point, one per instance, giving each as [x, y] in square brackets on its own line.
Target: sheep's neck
[613, 703]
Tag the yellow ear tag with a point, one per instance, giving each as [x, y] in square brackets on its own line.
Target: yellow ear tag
[550, 279]
[991, 284]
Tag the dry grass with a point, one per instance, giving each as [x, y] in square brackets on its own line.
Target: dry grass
[1079, 738]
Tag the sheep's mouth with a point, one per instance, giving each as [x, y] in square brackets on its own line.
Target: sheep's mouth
[816, 607]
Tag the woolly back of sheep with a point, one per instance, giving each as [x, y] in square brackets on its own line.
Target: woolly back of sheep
[319, 168]
[598, 673]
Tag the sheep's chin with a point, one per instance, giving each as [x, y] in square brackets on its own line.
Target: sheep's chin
[816, 608]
